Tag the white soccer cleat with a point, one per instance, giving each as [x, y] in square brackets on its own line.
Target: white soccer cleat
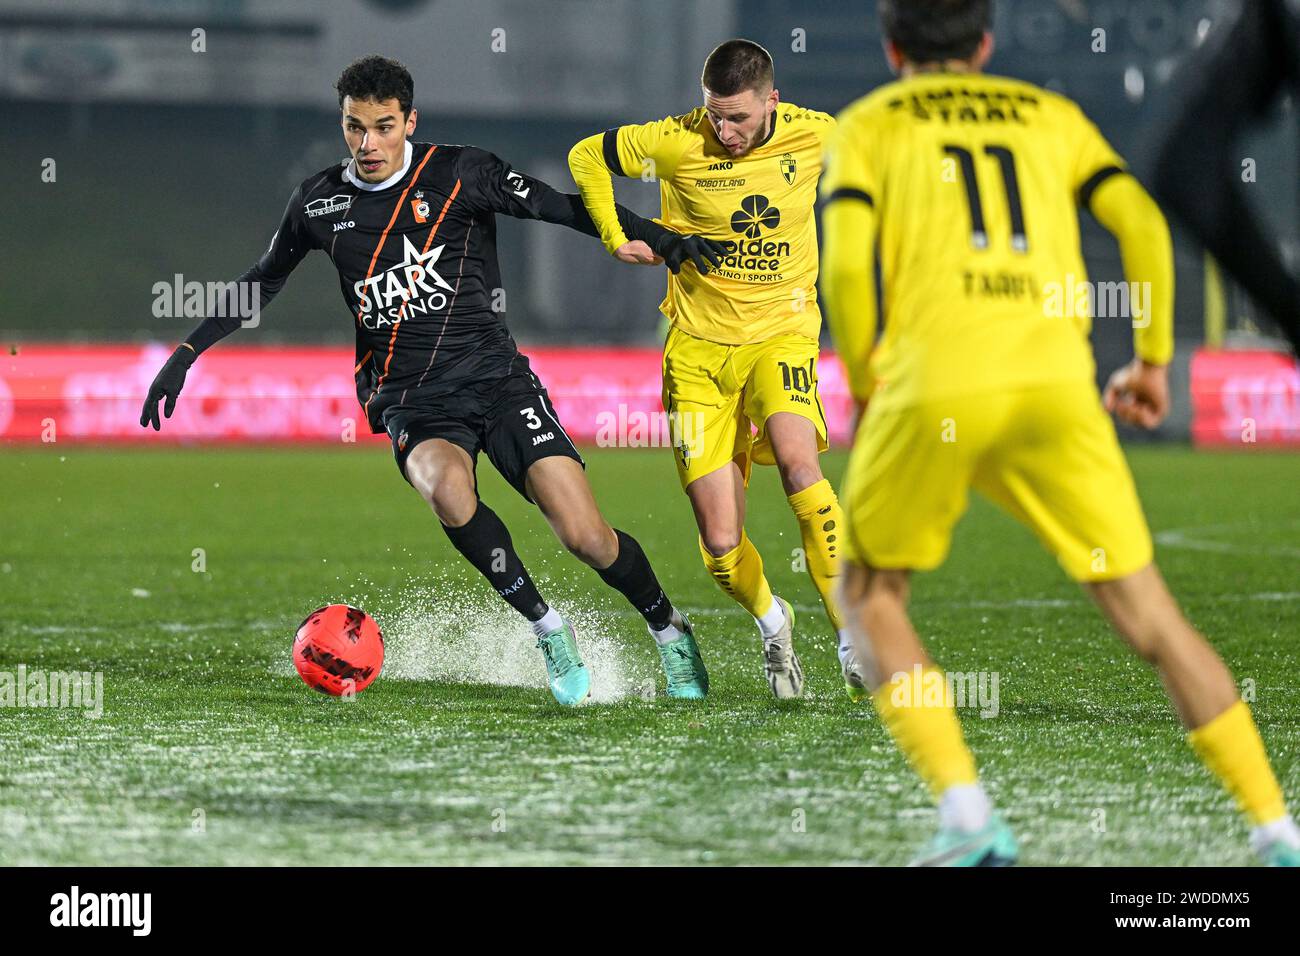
[780, 663]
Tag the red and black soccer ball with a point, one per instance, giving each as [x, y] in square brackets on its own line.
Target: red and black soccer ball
[338, 650]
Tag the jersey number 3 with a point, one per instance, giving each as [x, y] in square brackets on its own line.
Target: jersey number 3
[1015, 212]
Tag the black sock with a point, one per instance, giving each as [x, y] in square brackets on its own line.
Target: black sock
[632, 576]
[486, 544]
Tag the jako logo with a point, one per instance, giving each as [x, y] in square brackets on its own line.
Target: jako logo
[103, 909]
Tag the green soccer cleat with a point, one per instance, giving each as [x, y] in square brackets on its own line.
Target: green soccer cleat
[994, 845]
[855, 683]
[570, 681]
[1278, 853]
[687, 678]
[1277, 843]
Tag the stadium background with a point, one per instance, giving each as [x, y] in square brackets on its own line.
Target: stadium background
[171, 161]
[181, 573]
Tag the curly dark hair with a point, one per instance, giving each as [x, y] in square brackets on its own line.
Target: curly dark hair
[377, 78]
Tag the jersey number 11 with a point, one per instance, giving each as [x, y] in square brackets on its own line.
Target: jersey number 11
[1007, 163]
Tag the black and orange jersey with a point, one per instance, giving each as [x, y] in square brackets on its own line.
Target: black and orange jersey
[417, 263]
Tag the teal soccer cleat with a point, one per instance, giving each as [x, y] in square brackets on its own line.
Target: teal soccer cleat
[1277, 843]
[687, 678]
[994, 845]
[1278, 853]
[570, 680]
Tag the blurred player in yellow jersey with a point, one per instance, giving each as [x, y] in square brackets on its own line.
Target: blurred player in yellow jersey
[741, 352]
[967, 187]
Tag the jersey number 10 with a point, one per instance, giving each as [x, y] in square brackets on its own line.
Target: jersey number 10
[1007, 163]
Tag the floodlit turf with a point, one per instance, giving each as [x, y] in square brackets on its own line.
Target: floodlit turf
[210, 750]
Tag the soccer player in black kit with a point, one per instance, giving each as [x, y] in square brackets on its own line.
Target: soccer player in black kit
[1251, 57]
[411, 229]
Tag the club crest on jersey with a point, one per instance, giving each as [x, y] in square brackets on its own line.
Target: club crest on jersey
[411, 287]
[787, 168]
[324, 207]
[516, 181]
[420, 208]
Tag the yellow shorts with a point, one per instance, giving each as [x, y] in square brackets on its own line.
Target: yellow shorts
[716, 395]
[1046, 455]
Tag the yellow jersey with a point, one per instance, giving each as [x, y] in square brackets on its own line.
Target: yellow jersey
[971, 185]
[760, 204]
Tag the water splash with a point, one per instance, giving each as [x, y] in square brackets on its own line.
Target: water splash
[451, 632]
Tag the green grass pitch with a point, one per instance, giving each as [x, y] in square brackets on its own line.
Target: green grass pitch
[210, 750]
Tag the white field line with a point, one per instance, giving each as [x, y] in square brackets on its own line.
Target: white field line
[1194, 539]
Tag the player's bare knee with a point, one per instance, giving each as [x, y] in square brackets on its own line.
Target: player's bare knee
[1138, 618]
[1141, 631]
[592, 544]
[452, 498]
[720, 541]
[885, 586]
[797, 476]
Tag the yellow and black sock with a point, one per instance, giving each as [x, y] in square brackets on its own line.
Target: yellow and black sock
[739, 572]
[821, 525]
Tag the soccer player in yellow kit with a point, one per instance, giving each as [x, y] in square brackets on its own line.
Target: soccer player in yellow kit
[742, 347]
[967, 185]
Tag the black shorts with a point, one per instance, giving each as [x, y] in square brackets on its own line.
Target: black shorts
[510, 418]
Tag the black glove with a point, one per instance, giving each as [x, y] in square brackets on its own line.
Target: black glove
[167, 382]
[676, 249]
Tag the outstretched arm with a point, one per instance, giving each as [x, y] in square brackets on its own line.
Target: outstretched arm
[500, 189]
[264, 281]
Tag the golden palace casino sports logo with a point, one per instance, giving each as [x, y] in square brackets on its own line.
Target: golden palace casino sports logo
[757, 257]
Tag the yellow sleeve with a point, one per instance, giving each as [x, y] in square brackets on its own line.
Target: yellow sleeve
[848, 190]
[1105, 186]
[649, 151]
[1094, 158]
[1130, 214]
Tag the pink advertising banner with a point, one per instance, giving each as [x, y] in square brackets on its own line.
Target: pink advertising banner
[242, 394]
[1243, 398]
